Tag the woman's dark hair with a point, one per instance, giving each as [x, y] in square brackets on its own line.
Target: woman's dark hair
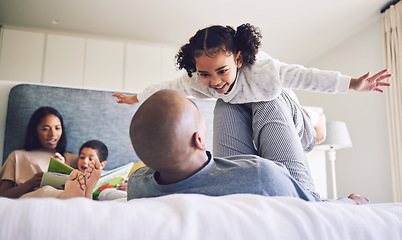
[31, 137]
[213, 39]
[100, 148]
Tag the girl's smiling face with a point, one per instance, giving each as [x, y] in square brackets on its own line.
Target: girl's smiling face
[49, 131]
[218, 71]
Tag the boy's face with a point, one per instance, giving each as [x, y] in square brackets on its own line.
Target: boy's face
[219, 71]
[85, 157]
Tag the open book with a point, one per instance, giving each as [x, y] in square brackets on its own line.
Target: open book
[116, 176]
[58, 173]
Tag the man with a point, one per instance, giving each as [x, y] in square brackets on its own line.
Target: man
[168, 135]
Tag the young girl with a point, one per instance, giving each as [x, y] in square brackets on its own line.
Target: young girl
[253, 115]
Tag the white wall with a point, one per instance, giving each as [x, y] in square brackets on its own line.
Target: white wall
[43, 56]
[5, 87]
[365, 168]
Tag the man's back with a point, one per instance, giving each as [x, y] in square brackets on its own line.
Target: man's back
[223, 176]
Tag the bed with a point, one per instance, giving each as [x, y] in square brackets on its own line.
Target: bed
[93, 114]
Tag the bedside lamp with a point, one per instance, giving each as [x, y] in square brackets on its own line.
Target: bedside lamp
[337, 138]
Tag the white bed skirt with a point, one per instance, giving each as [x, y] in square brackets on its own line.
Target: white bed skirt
[192, 216]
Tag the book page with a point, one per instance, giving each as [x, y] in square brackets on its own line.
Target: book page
[59, 167]
[55, 180]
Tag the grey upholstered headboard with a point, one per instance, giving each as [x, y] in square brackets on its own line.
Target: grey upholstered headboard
[87, 114]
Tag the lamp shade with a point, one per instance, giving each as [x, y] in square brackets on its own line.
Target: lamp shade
[337, 136]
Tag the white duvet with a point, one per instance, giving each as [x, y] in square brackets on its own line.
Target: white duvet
[192, 216]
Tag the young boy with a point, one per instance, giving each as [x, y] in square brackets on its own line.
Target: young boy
[88, 151]
[92, 158]
[95, 149]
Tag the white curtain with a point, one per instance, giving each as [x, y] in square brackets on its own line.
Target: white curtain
[392, 35]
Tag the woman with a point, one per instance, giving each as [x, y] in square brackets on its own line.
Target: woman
[22, 172]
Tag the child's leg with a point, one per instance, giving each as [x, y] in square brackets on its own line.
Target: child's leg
[45, 191]
[279, 131]
[92, 175]
[321, 130]
[319, 122]
[75, 186]
[79, 185]
[232, 130]
[317, 118]
[310, 117]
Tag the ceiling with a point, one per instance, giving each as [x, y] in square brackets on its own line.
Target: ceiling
[294, 31]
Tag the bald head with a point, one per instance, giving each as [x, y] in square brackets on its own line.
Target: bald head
[162, 130]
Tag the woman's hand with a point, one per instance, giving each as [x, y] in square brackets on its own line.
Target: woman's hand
[34, 182]
[366, 83]
[121, 98]
[59, 157]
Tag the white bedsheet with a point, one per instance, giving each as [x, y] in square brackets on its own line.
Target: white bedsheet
[191, 216]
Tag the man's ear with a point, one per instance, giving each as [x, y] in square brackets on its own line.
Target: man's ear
[103, 164]
[199, 141]
[239, 59]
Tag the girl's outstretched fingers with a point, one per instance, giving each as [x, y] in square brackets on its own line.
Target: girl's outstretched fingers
[121, 98]
[366, 83]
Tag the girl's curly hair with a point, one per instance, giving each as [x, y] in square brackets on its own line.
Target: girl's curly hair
[213, 39]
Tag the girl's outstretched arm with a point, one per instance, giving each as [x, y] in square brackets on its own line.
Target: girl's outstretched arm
[121, 98]
[366, 83]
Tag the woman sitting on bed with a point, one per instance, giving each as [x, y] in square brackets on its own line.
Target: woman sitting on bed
[22, 172]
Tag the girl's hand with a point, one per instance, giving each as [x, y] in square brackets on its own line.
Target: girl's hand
[121, 98]
[59, 157]
[34, 182]
[366, 83]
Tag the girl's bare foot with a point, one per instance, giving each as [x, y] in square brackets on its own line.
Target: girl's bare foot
[75, 186]
[92, 175]
[321, 129]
